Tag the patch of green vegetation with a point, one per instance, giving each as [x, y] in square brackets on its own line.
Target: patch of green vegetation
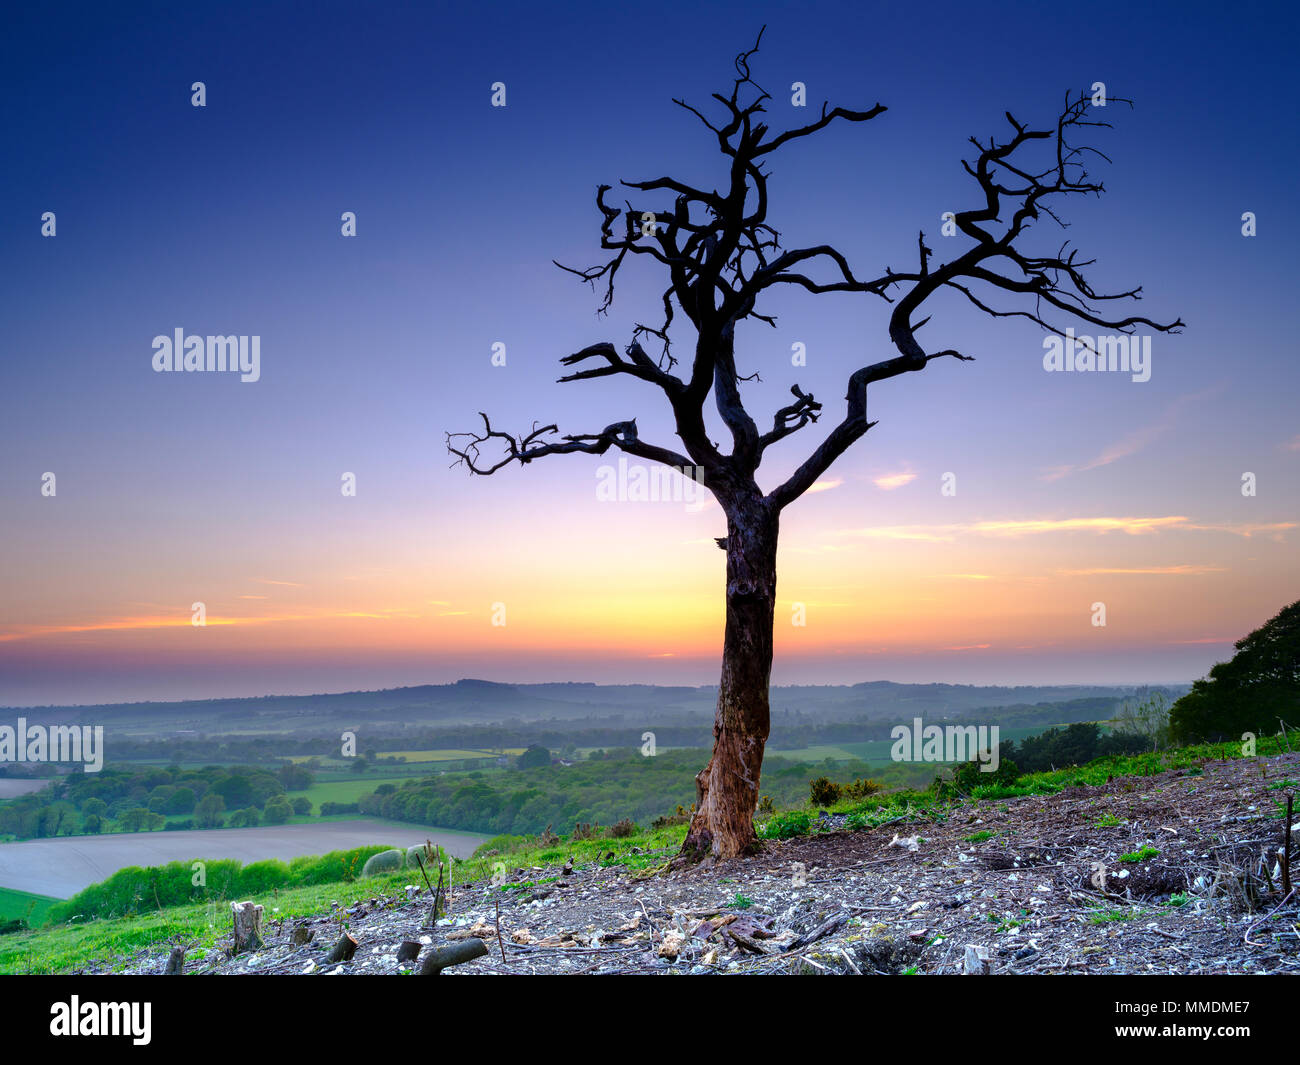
[1140, 855]
[786, 825]
[979, 837]
[741, 902]
[73, 944]
[1110, 916]
[22, 906]
[134, 890]
[1107, 821]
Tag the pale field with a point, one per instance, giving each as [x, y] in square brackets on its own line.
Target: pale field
[61, 867]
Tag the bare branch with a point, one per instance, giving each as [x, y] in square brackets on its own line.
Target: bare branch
[468, 447]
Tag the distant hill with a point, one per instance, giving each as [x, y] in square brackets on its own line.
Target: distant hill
[478, 702]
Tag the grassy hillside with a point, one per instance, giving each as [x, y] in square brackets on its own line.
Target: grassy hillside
[65, 947]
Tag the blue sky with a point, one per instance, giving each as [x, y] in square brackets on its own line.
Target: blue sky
[225, 219]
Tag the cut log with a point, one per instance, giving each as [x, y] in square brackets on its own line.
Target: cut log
[248, 926]
[408, 951]
[343, 949]
[452, 955]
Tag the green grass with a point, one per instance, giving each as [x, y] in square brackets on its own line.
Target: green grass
[20, 904]
[1139, 856]
[448, 755]
[349, 790]
[71, 946]
[1117, 914]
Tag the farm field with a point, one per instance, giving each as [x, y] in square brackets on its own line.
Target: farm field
[20, 904]
[61, 867]
[11, 788]
[448, 755]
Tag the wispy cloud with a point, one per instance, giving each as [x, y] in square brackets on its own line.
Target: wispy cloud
[827, 485]
[890, 481]
[1133, 526]
[1172, 571]
[1135, 441]
[284, 584]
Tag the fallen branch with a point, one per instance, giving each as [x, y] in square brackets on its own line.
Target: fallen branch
[454, 954]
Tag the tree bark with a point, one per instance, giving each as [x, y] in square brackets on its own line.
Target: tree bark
[727, 788]
[248, 927]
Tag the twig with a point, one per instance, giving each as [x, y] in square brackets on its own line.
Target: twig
[1286, 856]
[500, 941]
[1246, 938]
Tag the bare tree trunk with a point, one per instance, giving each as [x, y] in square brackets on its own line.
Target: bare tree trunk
[727, 788]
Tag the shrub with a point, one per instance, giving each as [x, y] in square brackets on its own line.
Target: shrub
[260, 877]
[622, 829]
[309, 871]
[859, 789]
[824, 792]
[245, 818]
[787, 825]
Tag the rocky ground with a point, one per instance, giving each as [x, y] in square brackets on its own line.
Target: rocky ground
[1027, 885]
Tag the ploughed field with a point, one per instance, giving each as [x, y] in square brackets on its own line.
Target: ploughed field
[61, 867]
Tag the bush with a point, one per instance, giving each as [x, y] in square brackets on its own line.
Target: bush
[301, 806]
[246, 818]
[824, 792]
[787, 826]
[330, 868]
[622, 829]
[260, 877]
[858, 789]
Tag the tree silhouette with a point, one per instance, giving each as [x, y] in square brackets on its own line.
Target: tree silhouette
[721, 255]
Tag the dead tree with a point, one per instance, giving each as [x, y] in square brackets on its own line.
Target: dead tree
[721, 256]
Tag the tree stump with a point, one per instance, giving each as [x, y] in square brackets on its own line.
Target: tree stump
[175, 961]
[454, 954]
[408, 951]
[343, 949]
[301, 935]
[248, 926]
[976, 961]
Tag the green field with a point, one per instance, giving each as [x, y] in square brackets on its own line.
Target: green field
[447, 755]
[349, 790]
[31, 908]
[877, 751]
